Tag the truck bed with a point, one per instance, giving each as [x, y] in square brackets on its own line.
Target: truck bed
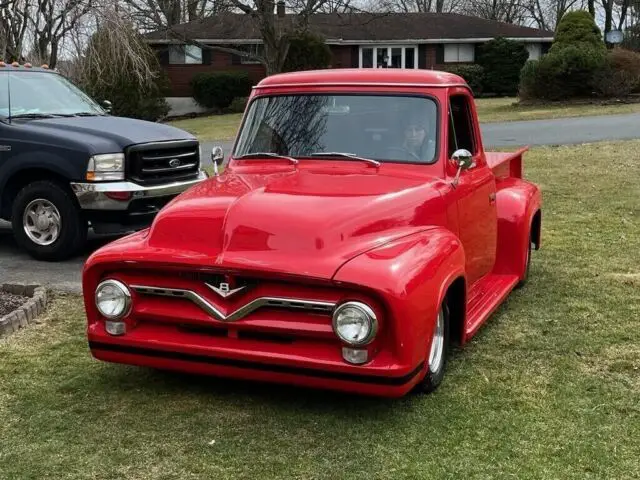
[506, 164]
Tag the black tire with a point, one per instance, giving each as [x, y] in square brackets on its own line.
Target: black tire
[73, 229]
[432, 380]
[523, 281]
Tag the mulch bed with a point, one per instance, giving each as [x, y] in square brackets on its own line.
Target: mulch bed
[9, 302]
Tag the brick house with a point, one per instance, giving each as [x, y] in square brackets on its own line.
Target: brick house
[361, 40]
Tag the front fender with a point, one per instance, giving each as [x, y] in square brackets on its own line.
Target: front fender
[410, 275]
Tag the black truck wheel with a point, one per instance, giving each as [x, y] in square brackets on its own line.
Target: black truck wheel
[46, 221]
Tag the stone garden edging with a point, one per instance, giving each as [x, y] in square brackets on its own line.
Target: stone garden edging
[28, 312]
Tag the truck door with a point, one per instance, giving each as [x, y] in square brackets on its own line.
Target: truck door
[476, 189]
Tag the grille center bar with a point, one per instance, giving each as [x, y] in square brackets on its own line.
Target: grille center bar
[252, 306]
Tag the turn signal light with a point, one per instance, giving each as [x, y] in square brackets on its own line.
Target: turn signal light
[119, 195]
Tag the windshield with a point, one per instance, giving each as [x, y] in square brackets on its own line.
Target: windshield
[41, 93]
[386, 128]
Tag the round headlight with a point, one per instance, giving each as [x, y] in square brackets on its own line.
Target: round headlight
[113, 299]
[355, 323]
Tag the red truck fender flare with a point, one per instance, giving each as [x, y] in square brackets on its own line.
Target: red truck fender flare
[517, 203]
[410, 276]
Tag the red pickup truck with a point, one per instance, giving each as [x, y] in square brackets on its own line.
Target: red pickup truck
[358, 230]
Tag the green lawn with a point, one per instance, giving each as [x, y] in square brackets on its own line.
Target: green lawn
[507, 110]
[549, 388]
[224, 127]
[214, 127]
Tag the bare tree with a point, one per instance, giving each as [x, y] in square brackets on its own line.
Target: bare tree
[422, 6]
[14, 20]
[154, 14]
[546, 14]
[51, 21]
[509, 11]
[274, 28]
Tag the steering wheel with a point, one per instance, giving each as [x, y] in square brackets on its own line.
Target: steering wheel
[404, 151]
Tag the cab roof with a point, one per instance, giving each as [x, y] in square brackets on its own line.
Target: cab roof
[363, 76]
[21, 68]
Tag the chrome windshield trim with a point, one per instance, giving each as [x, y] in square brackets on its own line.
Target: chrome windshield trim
[274, 302]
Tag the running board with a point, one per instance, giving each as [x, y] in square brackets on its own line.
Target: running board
[485, 296]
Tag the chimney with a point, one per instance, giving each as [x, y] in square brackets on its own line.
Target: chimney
[280, 8]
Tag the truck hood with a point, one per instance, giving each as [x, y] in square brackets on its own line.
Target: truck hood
[104, 134]
[301, 222]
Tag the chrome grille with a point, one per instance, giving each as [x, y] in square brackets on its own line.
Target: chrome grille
[163, 162]
[252, 306]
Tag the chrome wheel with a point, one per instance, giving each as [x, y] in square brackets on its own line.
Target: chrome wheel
[437, 344]
[42, 222]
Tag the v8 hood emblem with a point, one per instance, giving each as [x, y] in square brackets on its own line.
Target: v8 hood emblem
[224, 289]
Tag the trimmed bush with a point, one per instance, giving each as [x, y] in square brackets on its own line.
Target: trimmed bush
[472, 74]
[569, 73]
[307, 51]
[577, 28]
[620, 75]
[238, 105]
[502, 61]
[574, 65]
[217, 90]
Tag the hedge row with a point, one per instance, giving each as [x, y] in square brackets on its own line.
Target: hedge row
[218, 90]
[497, 70]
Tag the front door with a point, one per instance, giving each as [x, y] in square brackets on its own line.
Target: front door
[476, 190]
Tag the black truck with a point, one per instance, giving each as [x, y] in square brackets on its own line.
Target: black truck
[67, 165]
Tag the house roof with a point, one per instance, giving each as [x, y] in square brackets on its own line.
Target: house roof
[357, 28]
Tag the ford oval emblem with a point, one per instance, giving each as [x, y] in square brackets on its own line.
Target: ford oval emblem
[174, 163]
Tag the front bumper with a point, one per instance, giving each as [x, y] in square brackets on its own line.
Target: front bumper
[119, 196]
[167, 348]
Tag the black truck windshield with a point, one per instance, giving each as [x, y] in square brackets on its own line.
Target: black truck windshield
[41, 95]
[390, 128]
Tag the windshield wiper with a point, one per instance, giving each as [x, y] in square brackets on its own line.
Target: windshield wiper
[32, 115]
[266, 154]
[86, 114]
[346, 155]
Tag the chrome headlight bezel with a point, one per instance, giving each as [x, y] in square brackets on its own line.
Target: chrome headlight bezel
[106, 167]
[367, 313]
[126, 294]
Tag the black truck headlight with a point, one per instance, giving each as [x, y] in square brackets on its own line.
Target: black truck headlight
[109, 166]
[355, 323]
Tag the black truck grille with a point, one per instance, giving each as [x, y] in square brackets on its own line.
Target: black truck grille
[163, 162]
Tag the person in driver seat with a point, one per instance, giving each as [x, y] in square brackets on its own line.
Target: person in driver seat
[419, 139]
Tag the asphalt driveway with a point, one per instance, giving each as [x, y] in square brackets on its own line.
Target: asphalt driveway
[17, 266]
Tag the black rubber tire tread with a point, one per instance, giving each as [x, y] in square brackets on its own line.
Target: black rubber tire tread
[73, 234]
[432, 381]
[524, 280]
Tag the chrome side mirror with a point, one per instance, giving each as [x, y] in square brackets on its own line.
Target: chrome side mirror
[217, 157]
[107, 105]
[464, 161]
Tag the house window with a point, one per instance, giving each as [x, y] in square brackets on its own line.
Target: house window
[185, 54]
[459, 52]
[535, 50]
[396, 56]
[253, 49]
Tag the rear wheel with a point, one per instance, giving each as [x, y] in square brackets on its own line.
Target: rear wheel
[438, 351]
[527, 265]
[46, 221]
